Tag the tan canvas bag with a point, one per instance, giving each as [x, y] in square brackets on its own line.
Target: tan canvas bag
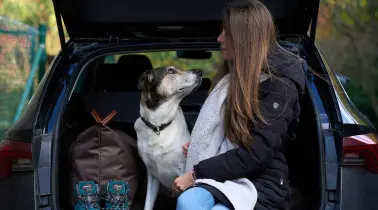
[101, 154]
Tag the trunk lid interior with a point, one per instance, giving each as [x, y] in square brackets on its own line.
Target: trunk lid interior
[127, 19]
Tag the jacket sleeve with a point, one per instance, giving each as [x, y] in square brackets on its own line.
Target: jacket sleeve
[278, 100]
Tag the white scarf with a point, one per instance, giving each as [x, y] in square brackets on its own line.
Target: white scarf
[208, 140]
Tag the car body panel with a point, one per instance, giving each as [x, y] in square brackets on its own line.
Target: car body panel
[44, 171]
[358, 186]
[31, 128]
[359, 189]
[18, 190]
[327, 148]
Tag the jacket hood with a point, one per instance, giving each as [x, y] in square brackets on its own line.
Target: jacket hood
[290, 66]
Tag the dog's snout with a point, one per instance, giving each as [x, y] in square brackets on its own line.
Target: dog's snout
[197, 71]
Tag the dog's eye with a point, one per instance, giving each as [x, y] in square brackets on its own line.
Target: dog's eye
[171, 70]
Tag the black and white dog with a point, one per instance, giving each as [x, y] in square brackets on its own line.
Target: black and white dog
[162, 129]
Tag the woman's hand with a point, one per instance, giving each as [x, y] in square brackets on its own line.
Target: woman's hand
[183, 182]
[185, 148]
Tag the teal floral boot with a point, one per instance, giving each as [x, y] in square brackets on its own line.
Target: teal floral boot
[86, 196]
[116, 195]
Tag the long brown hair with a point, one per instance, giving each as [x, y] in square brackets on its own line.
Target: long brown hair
[250, 36]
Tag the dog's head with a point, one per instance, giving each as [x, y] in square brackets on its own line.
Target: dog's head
[164, 83]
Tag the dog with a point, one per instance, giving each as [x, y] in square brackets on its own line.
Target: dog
[161, 128]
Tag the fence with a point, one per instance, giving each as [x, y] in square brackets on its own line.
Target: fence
[22, 65]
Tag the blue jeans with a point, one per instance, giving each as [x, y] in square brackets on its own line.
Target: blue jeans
[198, 198]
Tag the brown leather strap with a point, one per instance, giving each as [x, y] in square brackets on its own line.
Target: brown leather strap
[96, 116]
[104, 121]
[107, 119]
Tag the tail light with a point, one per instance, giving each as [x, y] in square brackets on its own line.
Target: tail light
[14, 156]
[361, 150]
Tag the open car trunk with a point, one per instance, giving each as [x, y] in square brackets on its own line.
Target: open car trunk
[303, 153]
[169, 21]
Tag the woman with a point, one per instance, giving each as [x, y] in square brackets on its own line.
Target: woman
[237, 143]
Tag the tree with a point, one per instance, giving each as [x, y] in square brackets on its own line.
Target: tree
[34, 13]
[352, 45]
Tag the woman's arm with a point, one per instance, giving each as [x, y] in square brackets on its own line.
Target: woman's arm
[277, 102]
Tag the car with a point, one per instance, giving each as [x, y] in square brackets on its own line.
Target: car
[333, 161]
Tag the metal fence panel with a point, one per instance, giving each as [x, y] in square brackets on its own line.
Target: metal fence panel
[19, 44]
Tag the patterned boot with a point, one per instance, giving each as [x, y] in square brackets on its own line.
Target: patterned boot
[116, 195]
[86, 196]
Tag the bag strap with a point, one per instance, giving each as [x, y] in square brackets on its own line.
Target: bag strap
[107, 119]
[96, 116]
[104, 121]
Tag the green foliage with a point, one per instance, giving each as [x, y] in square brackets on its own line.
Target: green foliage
[362, 101]
[34, 13]
[352, 48]
[15, 52]
[30, 12]
[9, 98]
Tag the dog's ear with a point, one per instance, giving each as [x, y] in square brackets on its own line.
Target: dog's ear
[141, 81]
[146, 78]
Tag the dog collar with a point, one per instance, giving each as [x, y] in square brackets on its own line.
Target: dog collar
[155, 128]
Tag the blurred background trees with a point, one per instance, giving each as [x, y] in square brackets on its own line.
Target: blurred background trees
[348, 34]
[33, 13]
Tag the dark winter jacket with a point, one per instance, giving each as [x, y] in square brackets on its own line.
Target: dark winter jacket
[265, 164]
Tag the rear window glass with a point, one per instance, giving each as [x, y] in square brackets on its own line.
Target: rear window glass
[170, 58]
[207, 62]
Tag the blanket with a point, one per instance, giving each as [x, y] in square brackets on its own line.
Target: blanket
[208, 140]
